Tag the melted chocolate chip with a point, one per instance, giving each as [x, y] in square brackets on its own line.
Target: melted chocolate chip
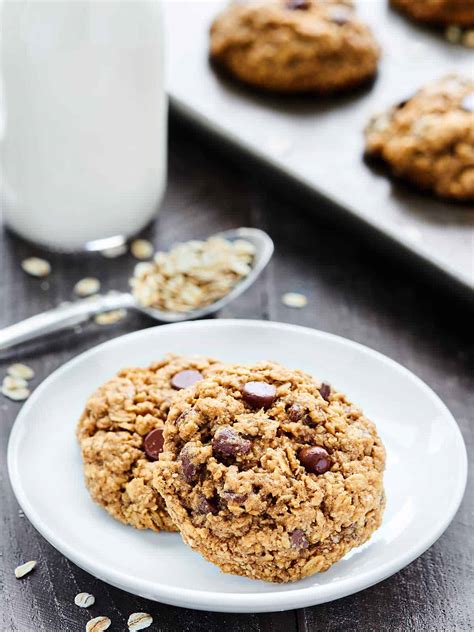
[228, 444]
[153, 444]
[208, 505]
[259, 394]
[315, 460]
[297, 5]
[295, 412]
[325, 391]
[232, 497]
[189, 469]
[467, 104]
[298, 539]
[183, 379]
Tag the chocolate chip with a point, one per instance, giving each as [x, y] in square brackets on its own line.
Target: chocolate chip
[401, 104]
[259, 394]
[208, 505]
[339, 16]
[298, 539]
[227, 444]
[189, 469]
[325, 391]
[183, 379]
[232, 497]
[295, 5]
[153, 443]
[467, 103]
[315, 460]
[295, 412]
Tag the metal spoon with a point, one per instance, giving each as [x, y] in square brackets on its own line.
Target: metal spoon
[73, 314]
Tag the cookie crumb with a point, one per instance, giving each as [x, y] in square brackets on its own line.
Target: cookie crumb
[98, 624]
[24, 569]
[294, 299]
[84, 600]
[141, 249]
[139, 621]
[110, 318]
[34, 266]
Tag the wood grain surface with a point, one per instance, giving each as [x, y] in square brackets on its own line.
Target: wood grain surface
[353, 291]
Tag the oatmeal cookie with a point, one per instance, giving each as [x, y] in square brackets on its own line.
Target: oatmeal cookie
[269, 473]
[295, 45]
[443, 12]
[429, 138]
[120, 435]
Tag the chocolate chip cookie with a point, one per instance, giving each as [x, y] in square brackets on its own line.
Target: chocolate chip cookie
[295, 45]
[429, 138]
[443, 12]
[269, 473]
[121, 436]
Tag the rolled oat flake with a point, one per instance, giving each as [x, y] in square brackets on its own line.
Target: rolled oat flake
[34, 266]
[84, 600]
[139, 621]
[98, 624]
[20, 370]
[24, 569]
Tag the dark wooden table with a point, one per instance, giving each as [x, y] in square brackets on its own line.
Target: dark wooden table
[352, 291]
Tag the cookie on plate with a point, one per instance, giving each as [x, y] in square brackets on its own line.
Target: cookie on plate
[429, 138]
[443, 12]
[269, 473]
[295, 45]
[120, 435]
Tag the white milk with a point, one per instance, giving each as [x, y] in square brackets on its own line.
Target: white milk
[83, 153]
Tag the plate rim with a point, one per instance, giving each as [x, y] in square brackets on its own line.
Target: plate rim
[237, 602]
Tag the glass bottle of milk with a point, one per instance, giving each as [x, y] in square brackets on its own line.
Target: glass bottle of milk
[83, 119]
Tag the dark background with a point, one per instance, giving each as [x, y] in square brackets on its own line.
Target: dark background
[354, 290]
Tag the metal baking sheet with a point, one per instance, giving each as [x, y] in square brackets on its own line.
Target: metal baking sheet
[319, 141]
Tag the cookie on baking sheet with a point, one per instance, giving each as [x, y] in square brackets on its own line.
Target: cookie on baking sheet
[429, 138]
[443, 12]
[295, 45]
[270, 474]
[120, 435]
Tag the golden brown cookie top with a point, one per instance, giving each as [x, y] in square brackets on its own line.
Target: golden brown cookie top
[294, 45]
[266, 459]
[429, 138]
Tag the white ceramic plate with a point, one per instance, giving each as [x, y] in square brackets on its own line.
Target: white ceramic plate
[425, 477]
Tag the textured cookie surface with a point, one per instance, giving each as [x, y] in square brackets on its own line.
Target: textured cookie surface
[112, 432]
[438, 11]
[270, 474]
[429, 138]
[295, 45]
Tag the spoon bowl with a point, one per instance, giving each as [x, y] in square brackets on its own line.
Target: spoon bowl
[72, 314]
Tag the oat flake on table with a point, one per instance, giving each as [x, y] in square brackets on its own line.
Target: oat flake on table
[20, 370]
[34, 266]
[87, 287]
[98, 624]
[24, 569]
[294, 299]
[139, 621]
[84, 600]
[141, 249]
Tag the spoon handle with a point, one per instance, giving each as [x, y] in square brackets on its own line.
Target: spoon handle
[66, 315]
